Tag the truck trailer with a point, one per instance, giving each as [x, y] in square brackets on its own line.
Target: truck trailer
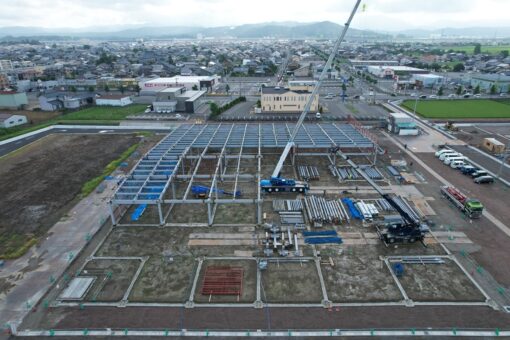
[469, 206]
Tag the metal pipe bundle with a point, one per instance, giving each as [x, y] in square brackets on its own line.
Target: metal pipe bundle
[308, 172]
[321, 210]
[372, 172]
[287, 205]
[291, 217]
[348, 173]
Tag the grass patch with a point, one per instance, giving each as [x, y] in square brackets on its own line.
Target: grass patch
[446, 109]
[92, 184]
[96, 115]
[469, 49]
[103, 113]
[15, 245]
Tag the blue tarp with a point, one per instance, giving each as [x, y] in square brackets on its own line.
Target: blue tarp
[352, 208]
[138, 212]
[320, 233]
[322, 240]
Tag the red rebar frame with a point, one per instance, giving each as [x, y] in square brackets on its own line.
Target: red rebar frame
[223, 280]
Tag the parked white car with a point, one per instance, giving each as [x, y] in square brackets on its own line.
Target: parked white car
[449, 154]
[457, 164]
[449, 160]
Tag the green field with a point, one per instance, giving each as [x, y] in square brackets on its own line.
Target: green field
[95, 115]
[457, 109]
[104, 113]
[469, 49]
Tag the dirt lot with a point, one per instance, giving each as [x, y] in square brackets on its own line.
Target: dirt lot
[39, 183]
[164, 280]
[291, 282]
[438, 282]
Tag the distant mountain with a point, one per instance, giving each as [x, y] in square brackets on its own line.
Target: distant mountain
[468, 32]
[291, 30]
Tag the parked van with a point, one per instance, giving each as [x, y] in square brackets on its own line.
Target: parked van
[449, 160]
[484, 179]
[457, 164]
[442, 151]
[443, 156]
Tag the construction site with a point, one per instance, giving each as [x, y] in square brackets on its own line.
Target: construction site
[194, 225]
[289, 229]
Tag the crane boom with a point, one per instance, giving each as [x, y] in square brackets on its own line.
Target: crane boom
[315, 91]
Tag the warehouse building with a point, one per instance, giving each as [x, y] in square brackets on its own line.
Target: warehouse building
[13, 100]
[285, 100]
[207, 83]
[113, 100]
[363, 64]
[389, 72]
[178, 99]
[427, 80]
[486, 81]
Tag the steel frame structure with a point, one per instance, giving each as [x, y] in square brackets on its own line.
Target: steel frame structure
[179, 155]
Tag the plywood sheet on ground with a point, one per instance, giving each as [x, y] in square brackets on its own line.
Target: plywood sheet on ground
[423, 207]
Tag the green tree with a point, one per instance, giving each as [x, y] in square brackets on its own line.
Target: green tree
[494, 89]
[440, 91]
[107, 88]
[478, 49]
[122, 89]
[435, 66]
[504, 53]
[72, 89]
[214, 108]
[227, 88]
[320, 109]
[137, 88]
[459, 90]
[477, 89]
[344, 87]
[259, 104]
[195, 88]
[459, 67]
[91, 88]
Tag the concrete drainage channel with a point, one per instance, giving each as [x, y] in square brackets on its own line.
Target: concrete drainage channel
[264, 334]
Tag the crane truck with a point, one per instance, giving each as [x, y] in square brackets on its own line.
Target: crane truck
[469, 206]
[277, 183]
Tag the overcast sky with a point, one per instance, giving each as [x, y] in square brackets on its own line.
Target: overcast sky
[379, 14]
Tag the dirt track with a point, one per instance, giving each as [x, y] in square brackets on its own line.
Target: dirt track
[39, 183]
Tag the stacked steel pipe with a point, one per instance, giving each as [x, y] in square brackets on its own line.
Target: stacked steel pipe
[321, 210]
[308, 172]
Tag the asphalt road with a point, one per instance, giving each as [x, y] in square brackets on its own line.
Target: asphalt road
[12, 146]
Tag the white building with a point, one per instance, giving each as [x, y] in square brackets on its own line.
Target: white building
[389, 72]
[427, 80]
[114, 100]
[200, 82]
[7, 120]
[6, 65]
